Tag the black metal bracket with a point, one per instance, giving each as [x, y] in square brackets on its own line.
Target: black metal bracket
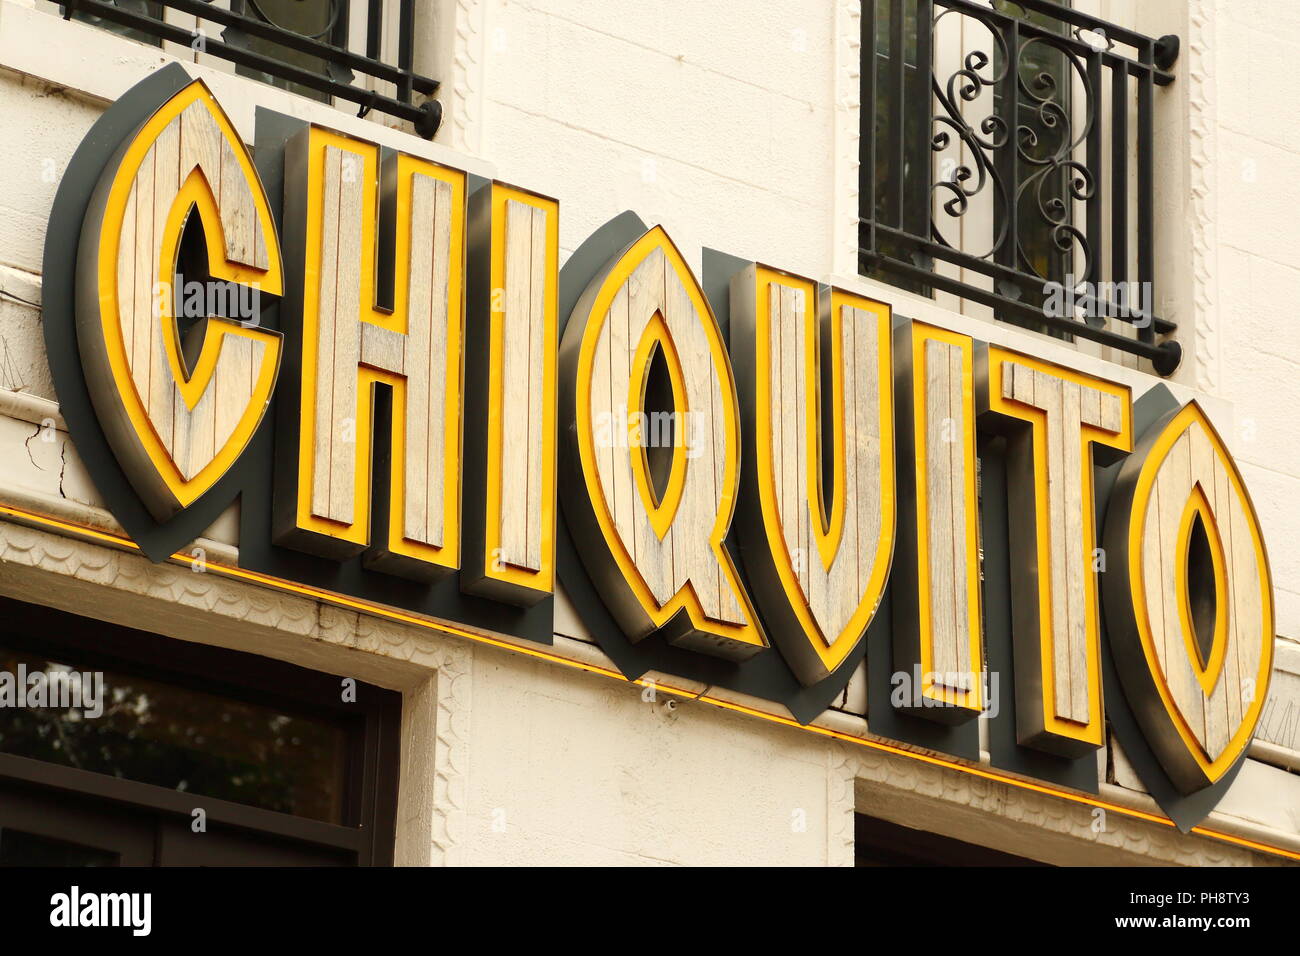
[1166, 53]
[367, 105]
[430, 119]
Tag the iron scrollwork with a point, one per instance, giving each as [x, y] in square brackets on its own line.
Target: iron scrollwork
[958, 181]
[1006, 181]
[1049, 175]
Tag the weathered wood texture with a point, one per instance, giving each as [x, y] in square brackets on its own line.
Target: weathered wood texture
[521, 408]
[345, 341]
[943, 427]
[1212, 718]
[192, 143]
[683, 555]
[831, 590]
[1067, 407]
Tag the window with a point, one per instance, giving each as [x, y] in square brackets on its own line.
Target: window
[881, 843]
[1007, 165]
[324, 20]
[1050, 135]
[284, 769]
[357, 54]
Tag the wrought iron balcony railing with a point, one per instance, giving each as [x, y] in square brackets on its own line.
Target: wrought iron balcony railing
[1007, 158]
[315, 58]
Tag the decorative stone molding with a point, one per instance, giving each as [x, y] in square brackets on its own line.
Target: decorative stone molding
[1059, 831]
[470, 33]
[1202, 127]
[840, 838]
[848, 133]
[453, 663]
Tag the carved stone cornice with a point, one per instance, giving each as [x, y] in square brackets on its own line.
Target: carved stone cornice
[1202, 128]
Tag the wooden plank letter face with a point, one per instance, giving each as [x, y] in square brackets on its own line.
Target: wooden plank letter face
[657, 554]
[356, 337]
[937, 621]
[1189, 598]
[176, 426]
[819, 561]
[1055, 420]
[514, 267]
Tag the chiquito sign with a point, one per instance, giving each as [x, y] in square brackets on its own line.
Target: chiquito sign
[763, 480]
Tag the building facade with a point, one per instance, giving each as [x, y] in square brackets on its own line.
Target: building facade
[780, 133]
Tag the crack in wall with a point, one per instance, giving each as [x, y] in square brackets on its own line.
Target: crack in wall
[28, 445]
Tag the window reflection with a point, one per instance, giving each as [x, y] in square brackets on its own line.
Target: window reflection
[324, 20]
[185, 739]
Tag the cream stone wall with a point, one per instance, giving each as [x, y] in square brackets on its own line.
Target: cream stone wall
[1258, 181]
[737, 130]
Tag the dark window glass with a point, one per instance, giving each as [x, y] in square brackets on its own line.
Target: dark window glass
[146, 7]
[19, 848]
[916, 139]
[324, 20]
[185, 739]
[882, 843]
[1041, 66]
[1048, 130]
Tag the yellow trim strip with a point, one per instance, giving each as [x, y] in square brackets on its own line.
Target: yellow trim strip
[1093, 731]
[748, 633]
[878, 745]
[542, 579]
[1192, 414]
[661, 511]
[827, 529]
[973, 699]
[195, 193]
[359, 531]
[1207, 671]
